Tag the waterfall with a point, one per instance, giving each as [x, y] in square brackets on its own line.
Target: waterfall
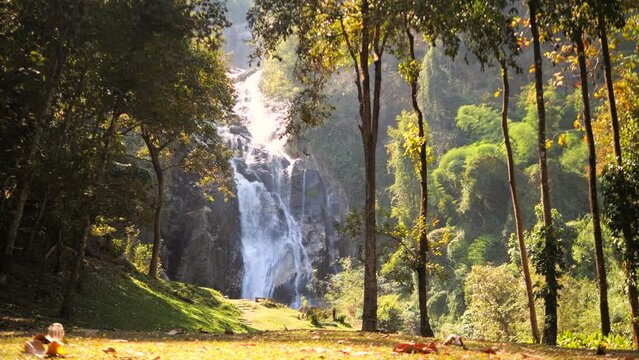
[276, 264]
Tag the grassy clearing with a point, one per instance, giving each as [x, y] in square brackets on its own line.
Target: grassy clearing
[111, 298]
[298, 344]
[135, 303]
[277, 317]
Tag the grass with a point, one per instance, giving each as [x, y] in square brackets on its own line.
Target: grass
[111, 298]
[273, 318]
[297, 344]
[134, 302]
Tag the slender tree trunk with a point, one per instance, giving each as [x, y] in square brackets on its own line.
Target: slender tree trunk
[422, 276]
[612, 106]
[369, 316]
[633, 297]
[37, 224]
[550, 297]
[24, 185]
[627, 233]
[66, 310]
[159, 203]
[58, 251]
[523, 255]
[7, 255]
[592, 191]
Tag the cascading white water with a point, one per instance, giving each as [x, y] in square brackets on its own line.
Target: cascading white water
[273, 254]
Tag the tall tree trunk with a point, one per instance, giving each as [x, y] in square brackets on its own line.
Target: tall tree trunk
[550, 296]
[523, 255]
[7, 254]
[633, 297]
[159, 204]
[422, 278]
[66, 310]
[58, 250]
[369, 316]
[592, 190]
[612, 106]
[35, 229]
[627, 233]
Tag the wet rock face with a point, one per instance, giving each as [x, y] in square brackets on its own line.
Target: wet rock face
[202, 238]
[319, 203]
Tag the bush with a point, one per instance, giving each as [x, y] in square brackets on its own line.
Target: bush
[389, 313]
[346, 289]
[496, 304]
[593, 341]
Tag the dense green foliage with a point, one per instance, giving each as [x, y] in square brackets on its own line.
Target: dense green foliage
[84, 85]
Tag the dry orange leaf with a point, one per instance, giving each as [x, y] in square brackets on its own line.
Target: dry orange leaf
[411, 348]
[109, 350]
[56, 349]
[489, 351]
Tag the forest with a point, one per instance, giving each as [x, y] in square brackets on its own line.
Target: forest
[432, 167]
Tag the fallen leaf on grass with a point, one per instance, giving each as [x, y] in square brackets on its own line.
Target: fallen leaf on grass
[248, 344]
[341, 341]
[315, 337]
[56, 349]
[174, 332]
[411, 348]
[489, 351]
[109, 350]
[119, 340]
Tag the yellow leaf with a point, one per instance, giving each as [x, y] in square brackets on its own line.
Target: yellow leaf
[563, 139]
[497, 93]
[531, 69]
[577, 124]
[548, 143]
[56, 349]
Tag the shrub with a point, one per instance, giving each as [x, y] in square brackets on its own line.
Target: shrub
[389, 313]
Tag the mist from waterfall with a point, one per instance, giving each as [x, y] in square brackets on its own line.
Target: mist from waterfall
[275, 259]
